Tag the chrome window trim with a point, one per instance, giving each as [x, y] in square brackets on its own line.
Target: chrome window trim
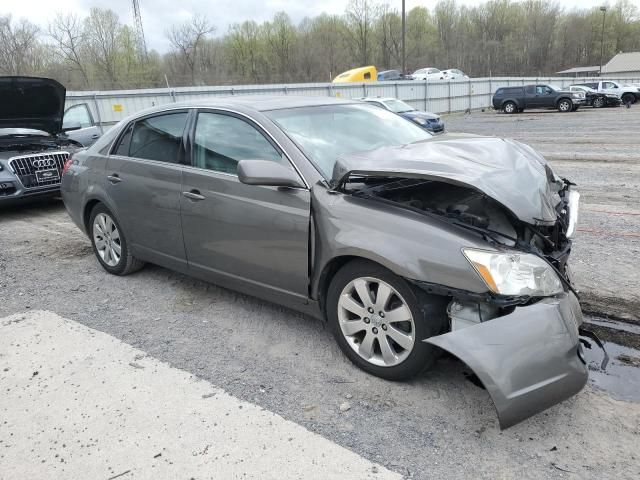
[213, 109]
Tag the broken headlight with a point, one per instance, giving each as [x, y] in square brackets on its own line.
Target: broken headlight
[515, 273]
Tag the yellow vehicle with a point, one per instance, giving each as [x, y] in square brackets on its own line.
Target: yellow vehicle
[362, 74]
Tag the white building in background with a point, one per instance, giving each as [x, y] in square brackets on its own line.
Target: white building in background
[623, 65]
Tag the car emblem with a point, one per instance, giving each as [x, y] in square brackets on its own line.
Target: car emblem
[43, 162]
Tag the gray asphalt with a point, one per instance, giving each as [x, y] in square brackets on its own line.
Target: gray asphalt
[439, 425]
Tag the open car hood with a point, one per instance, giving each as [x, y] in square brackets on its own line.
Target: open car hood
[511, 173]
[31, 102]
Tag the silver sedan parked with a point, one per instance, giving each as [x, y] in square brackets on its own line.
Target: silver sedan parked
[404, 242]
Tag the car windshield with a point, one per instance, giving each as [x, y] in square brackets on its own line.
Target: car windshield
[398, 106]
[324, 133]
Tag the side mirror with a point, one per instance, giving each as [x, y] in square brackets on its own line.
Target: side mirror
[267, 173]
[67, 127]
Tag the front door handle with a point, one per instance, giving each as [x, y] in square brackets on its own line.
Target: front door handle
[114, 178]
[194, 195]
[95, 135]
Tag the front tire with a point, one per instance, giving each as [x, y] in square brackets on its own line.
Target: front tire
[565, 105]
[110, 244]
[598, 102]
[379, 321]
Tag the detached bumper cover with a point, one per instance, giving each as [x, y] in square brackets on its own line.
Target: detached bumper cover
[527, 360]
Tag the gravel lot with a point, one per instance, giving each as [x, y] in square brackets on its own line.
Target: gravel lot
[437, 426]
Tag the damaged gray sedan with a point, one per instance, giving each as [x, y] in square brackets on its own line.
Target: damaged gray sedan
[405, 243]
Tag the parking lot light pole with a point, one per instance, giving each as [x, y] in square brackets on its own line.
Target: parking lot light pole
[603, 9]
[404, 31]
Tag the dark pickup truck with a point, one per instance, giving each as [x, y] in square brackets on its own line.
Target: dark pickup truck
[517, 99]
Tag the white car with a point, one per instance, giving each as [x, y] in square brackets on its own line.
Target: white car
[428, 73]
[454, 74]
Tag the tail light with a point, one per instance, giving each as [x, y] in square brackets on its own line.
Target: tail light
[67, 165]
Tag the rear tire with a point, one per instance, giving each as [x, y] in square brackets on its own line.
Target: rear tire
[509, 107]
[110, 244]
[565, 105]
[398, 312]
[628, 98]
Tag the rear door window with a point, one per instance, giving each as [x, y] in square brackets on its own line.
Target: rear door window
[159, 137]
[123, 145]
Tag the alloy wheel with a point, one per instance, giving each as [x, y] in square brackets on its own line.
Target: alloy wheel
[564, 106]
[376, 321]
[106, 239]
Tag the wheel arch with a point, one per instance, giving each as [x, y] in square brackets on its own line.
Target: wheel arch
[89, 205]
[327, 273]
[511, 100]
[86, 213]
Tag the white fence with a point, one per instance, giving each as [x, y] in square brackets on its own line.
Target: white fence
[109, 107]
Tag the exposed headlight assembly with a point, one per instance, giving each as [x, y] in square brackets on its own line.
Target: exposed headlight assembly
[419, 120]
[515, 273]
[574, 205]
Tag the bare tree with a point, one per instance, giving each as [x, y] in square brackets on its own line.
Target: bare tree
[102, 28]
[281, 36]
[186, 39]
[361, 16]
[18, 46]
[245, 50]
[67, 31]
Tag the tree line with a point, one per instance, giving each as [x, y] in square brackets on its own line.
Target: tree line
[496, 38]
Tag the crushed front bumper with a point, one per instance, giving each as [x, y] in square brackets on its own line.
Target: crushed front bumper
[527, 360]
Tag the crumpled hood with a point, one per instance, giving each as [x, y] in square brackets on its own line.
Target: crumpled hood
[510, 172]
[31, 102]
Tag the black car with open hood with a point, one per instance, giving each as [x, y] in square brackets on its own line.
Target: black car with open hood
[33, 148]
[31, 102]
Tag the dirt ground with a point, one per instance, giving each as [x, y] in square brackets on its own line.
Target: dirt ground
[439, 425]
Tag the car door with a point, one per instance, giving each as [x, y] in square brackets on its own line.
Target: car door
[88, 132]
[610, 87]
[144, 172]
[251, 238]
[543, 97]
[530, 96]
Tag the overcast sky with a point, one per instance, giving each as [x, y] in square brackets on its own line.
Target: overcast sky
[158, 15]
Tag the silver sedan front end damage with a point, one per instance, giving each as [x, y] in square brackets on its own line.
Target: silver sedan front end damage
[528, 360]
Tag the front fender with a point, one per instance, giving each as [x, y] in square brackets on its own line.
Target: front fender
[527, 360]
[408, 243]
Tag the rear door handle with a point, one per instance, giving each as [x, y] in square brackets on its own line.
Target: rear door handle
[194, 195]
[114, 178]
[95, 135]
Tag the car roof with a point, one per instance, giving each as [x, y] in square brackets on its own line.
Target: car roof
[377, 99]
[260, 103]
